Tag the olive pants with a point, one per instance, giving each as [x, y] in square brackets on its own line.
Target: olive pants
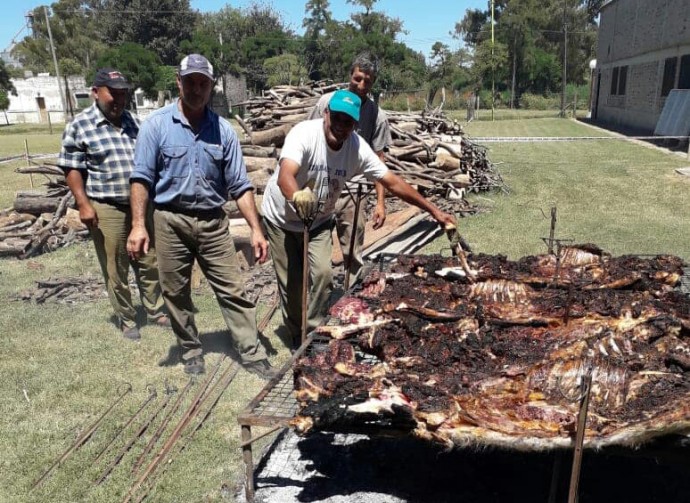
[286, 251]
[110, 241]
[204, 236]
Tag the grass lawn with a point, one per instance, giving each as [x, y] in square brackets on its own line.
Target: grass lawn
[62, 365]
[624, 197]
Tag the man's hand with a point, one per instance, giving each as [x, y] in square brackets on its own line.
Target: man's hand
[138, 242]
[88, 215]
[260, 246]
[446, 220]
[305, 203]
[379, 216]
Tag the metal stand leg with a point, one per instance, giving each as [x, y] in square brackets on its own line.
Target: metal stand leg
[249, 488]
[353, 236]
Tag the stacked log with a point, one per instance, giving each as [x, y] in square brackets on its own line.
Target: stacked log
[429, 150]
[40, 220]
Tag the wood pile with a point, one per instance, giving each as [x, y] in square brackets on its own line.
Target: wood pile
[40, 220]
[68, 290]
[428, 150]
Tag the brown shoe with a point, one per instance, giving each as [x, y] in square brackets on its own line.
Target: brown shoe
[162, 321]
[131, 333]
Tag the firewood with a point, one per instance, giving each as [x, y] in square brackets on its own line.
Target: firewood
[260, 163]
[274, 137]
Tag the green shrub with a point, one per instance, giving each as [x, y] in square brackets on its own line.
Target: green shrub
[539, 102]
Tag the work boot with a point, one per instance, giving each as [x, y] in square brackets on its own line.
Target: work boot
[195, 365]
[261, 368]
[131, 333]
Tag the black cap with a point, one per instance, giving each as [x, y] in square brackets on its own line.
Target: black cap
[109, 77]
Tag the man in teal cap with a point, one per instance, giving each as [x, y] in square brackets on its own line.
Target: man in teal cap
[319, 156]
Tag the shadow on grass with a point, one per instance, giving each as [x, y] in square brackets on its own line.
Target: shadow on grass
[219, 342]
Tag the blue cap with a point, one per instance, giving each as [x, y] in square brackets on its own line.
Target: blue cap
[196, 63]
[346, 102]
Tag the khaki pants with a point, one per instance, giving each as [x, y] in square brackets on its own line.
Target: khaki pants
[286, 251]
[344, 217]
[110, 241]
[181, 238]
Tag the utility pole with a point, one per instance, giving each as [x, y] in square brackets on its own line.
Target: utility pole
[565, 57]
[493, 65]
[57, 70]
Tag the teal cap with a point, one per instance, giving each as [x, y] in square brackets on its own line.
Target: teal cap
[346, 102]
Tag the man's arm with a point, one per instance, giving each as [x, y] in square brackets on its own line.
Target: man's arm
[287, 178]
[247, 207]
[404, 191]
[138, 240]
[380, 209]
[75, 182]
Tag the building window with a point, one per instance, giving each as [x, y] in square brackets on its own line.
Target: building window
[669, 80]
[139, 97]
[619, 80]
[684, 75]
[614, 82]
[83, 100]
[622, 80]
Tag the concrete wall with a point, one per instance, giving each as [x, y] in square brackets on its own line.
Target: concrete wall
[639, 34]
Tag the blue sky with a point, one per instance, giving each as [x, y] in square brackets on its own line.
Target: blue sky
[424, 27]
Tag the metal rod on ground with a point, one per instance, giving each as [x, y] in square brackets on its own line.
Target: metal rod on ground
[175, 435]
[152, 395]
[137, 435]
[83, 437]
[586, 387]
[269, 314]
[164, 423]
[223, 382]
[552, 232]
[353, 237]
[28, 161]
[305, 281]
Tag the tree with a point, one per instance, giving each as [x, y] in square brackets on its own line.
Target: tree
[138, 64]
[284, 69]
[316, 20]
[6, 84]
[4, 104]
[159, 26]
[76, 37]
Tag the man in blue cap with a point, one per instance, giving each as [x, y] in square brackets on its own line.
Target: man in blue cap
[97, 156]
[319, 156]
[190, 160]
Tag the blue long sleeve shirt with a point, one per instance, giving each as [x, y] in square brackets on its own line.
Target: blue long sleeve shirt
[188, 170]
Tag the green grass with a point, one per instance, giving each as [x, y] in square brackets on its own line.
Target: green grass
[619, 195]
[63, 365]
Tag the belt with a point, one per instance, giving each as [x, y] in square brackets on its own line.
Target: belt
[192, 212]
[110, 202]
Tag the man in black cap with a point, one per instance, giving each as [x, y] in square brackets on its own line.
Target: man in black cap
[190, 161]
[97, 156]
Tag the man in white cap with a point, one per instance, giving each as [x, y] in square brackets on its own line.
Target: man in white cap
[190, 160]
[97, 156]
[319, 156]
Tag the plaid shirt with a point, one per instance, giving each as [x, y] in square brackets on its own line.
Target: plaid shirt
[103, 153]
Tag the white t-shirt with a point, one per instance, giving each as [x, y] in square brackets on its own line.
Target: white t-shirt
[306, 145]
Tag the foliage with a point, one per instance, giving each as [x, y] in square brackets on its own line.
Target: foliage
[138, 64]
[6, 84]
[539, 101]
[531, 31]
[284, 69]
[74, 26]
[4, 100]
[159, 26]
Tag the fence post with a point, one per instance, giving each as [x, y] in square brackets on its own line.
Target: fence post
[28, 161]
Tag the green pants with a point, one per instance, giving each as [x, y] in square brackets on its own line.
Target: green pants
[110, 241]
[344, 218]
[286, 251]
[205, 236]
